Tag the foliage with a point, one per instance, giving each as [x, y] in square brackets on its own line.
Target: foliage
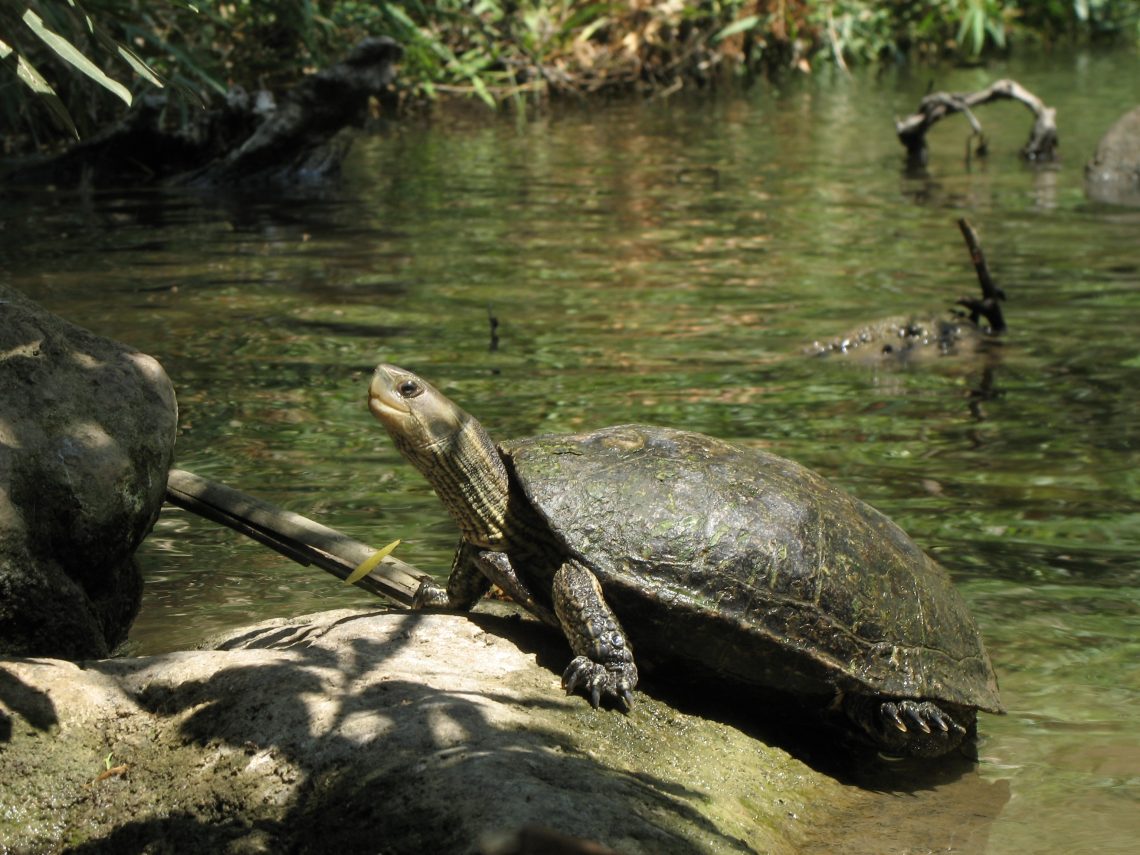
[982, 21]
[866, 30]
[495, 50]
[64, 33]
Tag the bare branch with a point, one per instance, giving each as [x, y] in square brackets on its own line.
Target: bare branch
[989, 306]
[1042, 143]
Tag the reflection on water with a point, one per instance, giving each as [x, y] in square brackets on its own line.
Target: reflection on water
[667, 263]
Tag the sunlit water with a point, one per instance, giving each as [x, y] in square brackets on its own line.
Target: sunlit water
[666, 263]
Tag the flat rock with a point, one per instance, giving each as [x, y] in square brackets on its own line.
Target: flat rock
[378, 731]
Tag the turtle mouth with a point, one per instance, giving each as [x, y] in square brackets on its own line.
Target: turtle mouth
[383, 400]
[383, 409]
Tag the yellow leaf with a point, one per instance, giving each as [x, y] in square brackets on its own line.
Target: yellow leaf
[369, 564]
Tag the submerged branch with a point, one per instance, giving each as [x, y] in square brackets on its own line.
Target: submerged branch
[1042, 143]
[989, 306]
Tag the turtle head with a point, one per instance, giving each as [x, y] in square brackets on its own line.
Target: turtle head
[449, 447]
[420, 419]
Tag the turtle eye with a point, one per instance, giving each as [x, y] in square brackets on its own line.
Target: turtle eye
[409, 389]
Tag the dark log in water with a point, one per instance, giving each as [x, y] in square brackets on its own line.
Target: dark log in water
[298, 137]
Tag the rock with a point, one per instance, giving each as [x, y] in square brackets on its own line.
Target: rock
[906, 339]
[1113, 174]
[903, 340]
[86, 438]
[400, 732]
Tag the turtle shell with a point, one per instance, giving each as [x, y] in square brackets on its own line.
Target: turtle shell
[754, 568]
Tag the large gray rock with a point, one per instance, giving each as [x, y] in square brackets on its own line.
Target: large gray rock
[373, 731]
[1113, 175]
[87, 431]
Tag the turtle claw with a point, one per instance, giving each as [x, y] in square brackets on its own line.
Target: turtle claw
[891, 713]
[942, 721]
[598, 681]
[595, 694]
[920, 714]
[909, 727]
[918, 720]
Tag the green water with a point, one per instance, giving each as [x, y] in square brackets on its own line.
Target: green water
[666, 263]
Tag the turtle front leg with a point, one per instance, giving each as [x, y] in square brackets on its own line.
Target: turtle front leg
[604, 662]
[498, 568]
[465, 586]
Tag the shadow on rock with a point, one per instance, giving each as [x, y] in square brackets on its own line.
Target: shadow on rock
[378, 731]
[32, 705]
[169, 835]
[925, 803]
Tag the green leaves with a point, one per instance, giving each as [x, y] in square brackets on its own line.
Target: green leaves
[982, 18]
[493, 50]
[27, 74]
[740, 25]
[69, 53]
[26, 71]
[28, 31]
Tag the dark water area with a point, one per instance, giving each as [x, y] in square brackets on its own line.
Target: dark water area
[667, 262]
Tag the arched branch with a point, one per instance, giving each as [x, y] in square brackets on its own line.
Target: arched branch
[1042, 143]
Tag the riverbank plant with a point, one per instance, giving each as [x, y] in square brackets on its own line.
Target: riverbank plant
[496, 51]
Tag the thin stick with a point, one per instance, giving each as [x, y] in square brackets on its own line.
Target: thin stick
[990, 304]
[494, 322]
[294, 536]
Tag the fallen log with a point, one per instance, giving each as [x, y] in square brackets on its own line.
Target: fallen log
[1042, 144]
[297, 137]
[294, 536]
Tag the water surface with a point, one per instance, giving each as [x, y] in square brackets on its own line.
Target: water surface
[666, 263]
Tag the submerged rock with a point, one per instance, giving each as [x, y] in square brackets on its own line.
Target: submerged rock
[1113, 174]
[362, 730]
[907, 339]
[86, 438]
[974, 326]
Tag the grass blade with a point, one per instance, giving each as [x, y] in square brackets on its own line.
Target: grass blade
[69, 53]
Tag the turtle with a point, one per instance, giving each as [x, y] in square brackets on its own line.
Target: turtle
[723, 560]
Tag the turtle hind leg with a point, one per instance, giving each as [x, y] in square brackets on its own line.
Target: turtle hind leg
[603, 666]
[908, 727]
